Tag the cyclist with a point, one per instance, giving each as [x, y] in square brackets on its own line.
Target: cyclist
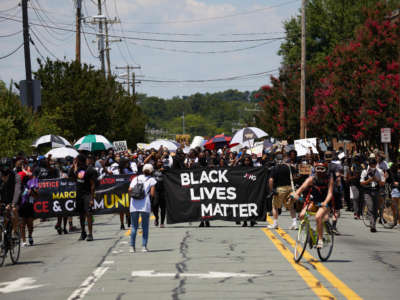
[10, 190]
[319, 196]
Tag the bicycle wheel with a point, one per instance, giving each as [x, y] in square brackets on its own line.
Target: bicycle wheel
[365, 215]
[328, 238]
[15, 245]
[303, 234]
[3, 251]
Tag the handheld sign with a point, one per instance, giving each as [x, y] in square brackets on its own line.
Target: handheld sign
[120, 146]
[303, 146]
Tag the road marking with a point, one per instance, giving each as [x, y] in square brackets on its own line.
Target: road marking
[309, 278]
[89, 282]
[209, 275]
[21, 284]
[319, 266]
[128, 232]
[108, 262]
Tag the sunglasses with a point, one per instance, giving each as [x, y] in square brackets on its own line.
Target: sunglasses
[320, 169]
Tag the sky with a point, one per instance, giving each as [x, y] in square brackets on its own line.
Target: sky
[182, 46]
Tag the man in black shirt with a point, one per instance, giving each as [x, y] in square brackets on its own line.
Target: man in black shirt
[281, 181]
[85, 178]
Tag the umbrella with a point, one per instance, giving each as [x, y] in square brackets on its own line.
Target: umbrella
[93, 142]
[247, 135]
[218, 141]
[62, 152]
[165, 143]
[52, 140]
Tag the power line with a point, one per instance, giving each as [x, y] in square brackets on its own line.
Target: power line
[10, 34]
[87, 44]
[202, 52]
[157, 40]
[231, 78]
[12, 52]
[218, 18]
[8, 9]
[37, 50]
[44, 46]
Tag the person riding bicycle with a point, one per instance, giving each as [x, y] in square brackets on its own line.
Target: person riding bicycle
[319, 196]
[10, 190]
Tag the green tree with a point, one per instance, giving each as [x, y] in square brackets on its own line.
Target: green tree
[82, 101]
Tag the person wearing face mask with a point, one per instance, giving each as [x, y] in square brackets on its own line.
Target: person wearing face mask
[371, 180]
[158, 201]
[281, 185]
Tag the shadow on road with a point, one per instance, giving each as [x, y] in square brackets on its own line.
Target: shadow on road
[162, 250]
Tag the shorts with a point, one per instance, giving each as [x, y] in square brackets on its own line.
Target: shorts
[26, 211]
[395, 193]
[82, 204]
[282, 197]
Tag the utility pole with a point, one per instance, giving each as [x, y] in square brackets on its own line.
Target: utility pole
[303, 129]
[128, 68]
[78, 31]
[108, 41]
[27, 53]
[101, 36]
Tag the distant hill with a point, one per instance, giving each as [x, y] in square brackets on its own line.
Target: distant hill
[205, 114]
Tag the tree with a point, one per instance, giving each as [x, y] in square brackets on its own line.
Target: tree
[82, 101]
[359, 86]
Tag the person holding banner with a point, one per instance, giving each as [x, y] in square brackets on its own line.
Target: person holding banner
[85, 178]
[141, 207]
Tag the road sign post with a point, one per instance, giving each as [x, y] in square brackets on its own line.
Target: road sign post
[386, 138]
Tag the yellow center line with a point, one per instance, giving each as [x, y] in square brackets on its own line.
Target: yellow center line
[319, 266]
[309, 278]
[128, 232]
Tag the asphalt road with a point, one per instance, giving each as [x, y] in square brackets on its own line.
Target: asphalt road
[187, 262]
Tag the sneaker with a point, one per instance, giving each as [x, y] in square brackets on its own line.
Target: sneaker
[201, 224]
[156, 222]
[65, 231]
[373, 229]
[132, 250]
[144, 249]
[162, 226]
[273, 226]
[30, 241]
[252, 223]
[207, 223]
[58, 228]
[89, 238]
[244, 224]
[320, 244]
[294, 226]
[25, 245]
[83, 236]
[122, 227]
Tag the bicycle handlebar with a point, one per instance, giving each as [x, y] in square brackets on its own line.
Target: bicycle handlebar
[301, 199]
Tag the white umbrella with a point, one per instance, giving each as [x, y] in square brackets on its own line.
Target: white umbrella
[52, 140]
[62, 152]
[246, 136]
[165, 143]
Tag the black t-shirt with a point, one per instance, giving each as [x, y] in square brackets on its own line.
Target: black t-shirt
[82, 178]
[281, 175]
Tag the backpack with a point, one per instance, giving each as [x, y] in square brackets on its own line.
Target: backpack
[138, 191]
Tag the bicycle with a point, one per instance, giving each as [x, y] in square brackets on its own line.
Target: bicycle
[9, 242]
[307, 235]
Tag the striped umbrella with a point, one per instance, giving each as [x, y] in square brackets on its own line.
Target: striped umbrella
[93, 142]
[54, 141]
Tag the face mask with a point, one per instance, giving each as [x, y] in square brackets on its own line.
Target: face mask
[254, 160]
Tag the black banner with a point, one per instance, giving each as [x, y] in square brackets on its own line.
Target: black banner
[57, 197]
[230, 194]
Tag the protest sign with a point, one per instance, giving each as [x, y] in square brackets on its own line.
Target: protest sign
[257, 149]
[120, 146]
[303, 146]
[230, 194]
[304, 169]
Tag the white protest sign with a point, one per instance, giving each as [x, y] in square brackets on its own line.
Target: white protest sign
[257, 149]
[120, 146]
[303, 146]
[386, 135]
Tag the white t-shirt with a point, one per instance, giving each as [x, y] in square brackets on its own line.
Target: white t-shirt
[143, 205]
